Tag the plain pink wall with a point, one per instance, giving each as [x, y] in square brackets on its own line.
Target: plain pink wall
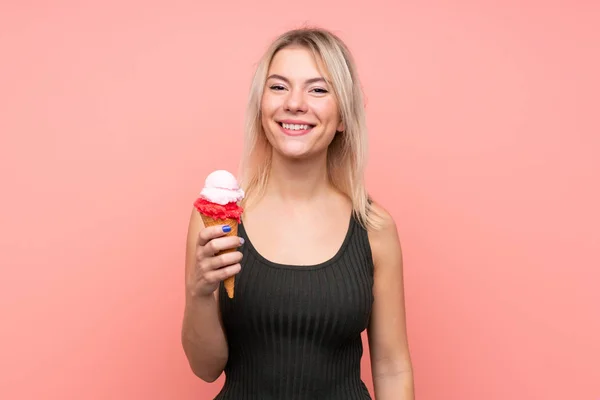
[485, 141]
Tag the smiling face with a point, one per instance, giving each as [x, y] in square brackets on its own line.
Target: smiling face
[299, 111]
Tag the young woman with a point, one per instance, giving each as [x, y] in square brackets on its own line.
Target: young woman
[318, 262]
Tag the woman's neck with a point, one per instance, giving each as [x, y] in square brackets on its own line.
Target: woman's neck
[298, 180]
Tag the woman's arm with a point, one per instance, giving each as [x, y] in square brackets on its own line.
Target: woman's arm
[388, 343]
[202, 334]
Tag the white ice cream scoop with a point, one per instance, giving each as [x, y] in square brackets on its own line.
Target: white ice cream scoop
[221, 187]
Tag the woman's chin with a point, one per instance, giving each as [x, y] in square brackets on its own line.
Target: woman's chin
[294, 152]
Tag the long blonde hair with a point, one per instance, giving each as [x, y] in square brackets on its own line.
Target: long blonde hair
[347, 153]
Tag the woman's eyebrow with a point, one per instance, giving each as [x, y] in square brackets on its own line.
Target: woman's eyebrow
[308, 81]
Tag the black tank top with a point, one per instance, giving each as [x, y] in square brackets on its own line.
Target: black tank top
[294, 332]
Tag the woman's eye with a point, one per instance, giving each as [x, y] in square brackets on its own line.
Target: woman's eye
[320, 90]
[277, 87]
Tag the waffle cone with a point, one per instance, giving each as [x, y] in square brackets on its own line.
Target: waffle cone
[233, 223]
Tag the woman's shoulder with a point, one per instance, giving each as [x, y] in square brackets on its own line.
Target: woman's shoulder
[382, 220]
[383, 237]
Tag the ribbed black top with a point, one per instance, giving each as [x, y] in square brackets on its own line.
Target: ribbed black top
[294, 331]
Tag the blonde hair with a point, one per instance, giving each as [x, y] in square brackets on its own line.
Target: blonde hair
[347, 153]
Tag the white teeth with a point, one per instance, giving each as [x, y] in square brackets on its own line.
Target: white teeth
[295, 127]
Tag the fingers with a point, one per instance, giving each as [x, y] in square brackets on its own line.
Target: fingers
[207, 264]
[211, 263]
[212, 232]
[222, 273]
[217, 245]
[222, 260]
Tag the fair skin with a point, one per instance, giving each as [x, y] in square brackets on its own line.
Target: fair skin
[316, 216]
[298, 192]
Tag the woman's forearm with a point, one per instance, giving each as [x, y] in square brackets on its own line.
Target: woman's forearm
[203, 339]
[398, 386]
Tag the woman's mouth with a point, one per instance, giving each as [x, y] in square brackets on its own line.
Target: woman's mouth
[295, 129]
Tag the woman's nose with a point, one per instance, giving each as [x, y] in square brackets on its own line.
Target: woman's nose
[295, 102]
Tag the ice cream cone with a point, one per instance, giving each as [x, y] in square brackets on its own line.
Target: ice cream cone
[217, 205]
[233, 223]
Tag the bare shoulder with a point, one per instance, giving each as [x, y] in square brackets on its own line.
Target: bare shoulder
[388, 223]
[384, 240]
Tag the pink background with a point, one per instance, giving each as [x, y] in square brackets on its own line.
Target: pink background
[485, 141]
